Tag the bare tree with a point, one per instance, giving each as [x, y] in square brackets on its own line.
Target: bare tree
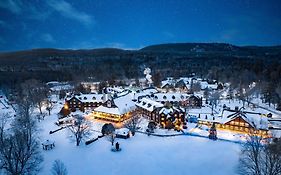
[278, 92]
[50, 106]
[258, 158]
[111, 138]
[36, 91]
[249, 162]
[195, 87]
[59, 168]
[133, 123]
[214, 98]
[206, 94]
[272, 158]
[80, 128]
[19, 150]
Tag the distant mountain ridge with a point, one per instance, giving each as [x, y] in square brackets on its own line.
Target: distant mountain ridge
[110, 63]
[210, 48]
[189, 49]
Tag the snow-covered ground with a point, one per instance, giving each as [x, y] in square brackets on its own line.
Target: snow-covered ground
[140, 154]
[143, 154]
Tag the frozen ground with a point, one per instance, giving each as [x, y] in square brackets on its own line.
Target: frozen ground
[141, 154]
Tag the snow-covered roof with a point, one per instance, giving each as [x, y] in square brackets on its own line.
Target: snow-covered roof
[256, 120]
[166, 111]
[61, 87]
[170, 110]
[142, 93]
[172, 82]
[124, 104]
[87, 97]
[148, 104]
[170, 96]
[122, 131]
[104, 109]
[205, 84]
[116, 89]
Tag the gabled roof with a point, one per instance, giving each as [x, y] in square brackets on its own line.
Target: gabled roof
[148, 104]
[87, 97]
[165, 110]
[256, 120]
[122, 105]
[169, 96]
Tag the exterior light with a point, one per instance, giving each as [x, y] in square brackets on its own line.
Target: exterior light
[65, 107]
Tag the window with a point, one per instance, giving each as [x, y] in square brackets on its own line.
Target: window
[94, 98]
[164, 97]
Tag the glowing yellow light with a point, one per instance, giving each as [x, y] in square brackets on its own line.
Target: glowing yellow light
[65, 106]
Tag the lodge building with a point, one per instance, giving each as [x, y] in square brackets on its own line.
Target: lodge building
[237, 120]
[116, 109]
[166, 115]
[84, 101]
[177, 99]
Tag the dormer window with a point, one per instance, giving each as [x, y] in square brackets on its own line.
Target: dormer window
[173, 97]
[149, 105]
[85, 98]
[108, 104]
[164, 97]
[94, 98]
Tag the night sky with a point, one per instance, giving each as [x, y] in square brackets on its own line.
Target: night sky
[132, 24]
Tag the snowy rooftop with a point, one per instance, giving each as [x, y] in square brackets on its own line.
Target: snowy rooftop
[88, 97]
[124, 104]
[142, 93]
[256, 120]
[170, 96]
[148, 104]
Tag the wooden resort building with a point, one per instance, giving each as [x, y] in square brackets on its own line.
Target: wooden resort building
[166, 115]
[115, 109]
[177, 99]
[237, 120]
[83, 102]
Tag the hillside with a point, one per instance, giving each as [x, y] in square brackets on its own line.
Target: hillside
[111, 63]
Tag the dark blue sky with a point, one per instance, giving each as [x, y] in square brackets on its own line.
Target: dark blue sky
[26, 24]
